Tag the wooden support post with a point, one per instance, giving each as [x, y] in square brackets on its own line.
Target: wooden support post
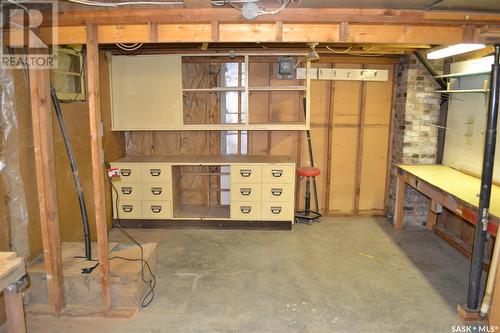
[399, 204]
[46, 185]
[4, 223]
[97, 156]
[14, 309]
[434, 209]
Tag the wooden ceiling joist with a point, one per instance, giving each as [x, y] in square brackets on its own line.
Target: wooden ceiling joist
[269, 32]
[303, 15]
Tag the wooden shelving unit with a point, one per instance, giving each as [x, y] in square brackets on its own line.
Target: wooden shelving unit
[191, 83]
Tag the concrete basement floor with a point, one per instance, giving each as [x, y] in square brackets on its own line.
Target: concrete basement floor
[340, 275]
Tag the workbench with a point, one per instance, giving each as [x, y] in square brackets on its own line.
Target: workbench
[12, 279]
[204, 188]
[445, 187]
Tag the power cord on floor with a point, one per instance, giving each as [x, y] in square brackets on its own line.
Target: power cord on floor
[149, 297]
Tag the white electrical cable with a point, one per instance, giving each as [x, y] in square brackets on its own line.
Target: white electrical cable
[128, 3]
[276, 11]
[339, 52]
[129, 47]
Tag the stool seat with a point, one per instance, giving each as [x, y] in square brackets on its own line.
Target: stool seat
[308, 172]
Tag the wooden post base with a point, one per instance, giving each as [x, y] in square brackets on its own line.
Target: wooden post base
[468, 315]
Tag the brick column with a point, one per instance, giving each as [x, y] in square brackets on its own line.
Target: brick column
[414, 132]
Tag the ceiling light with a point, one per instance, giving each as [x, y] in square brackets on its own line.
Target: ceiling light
[454, 50]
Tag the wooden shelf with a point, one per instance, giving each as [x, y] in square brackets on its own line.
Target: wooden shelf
[214, 89]
[463, 74]
[460, 91]
[277, 88]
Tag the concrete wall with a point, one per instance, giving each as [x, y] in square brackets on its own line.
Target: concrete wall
[414, 139]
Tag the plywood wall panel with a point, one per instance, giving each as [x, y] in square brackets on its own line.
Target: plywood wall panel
[346, 104]
[343, 169]
[374, 154]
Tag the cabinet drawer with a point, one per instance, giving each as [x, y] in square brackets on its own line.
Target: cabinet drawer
[157, 191]
[277, 192]
[156, 172]
[245, 210]
[128, 209]
[282, 211]
[245, 192]
[276, 173]
[127, 191]
[241, 173]
[128, 172]
[156, 210]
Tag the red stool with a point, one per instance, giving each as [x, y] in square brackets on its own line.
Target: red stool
[308, 214]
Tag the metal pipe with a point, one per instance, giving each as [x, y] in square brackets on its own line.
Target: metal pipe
[443, 106]
[74, 171]
[486, 180]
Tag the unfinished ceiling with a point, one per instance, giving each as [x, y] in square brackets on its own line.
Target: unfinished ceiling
[476, 5]
[448, 5]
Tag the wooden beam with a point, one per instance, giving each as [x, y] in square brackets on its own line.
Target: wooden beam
[198, 3]
[46, 184]
[494, 318]
[4, 223]
[97, 157]
[292, 15]
[14, 309]
[399, 204]
[255, 31]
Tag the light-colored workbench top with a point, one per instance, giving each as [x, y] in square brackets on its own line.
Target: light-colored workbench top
[199, 159]
[458, 184]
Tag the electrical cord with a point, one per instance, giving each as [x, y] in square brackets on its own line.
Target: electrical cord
[149, 297]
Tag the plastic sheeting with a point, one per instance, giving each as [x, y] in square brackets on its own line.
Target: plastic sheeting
[9, 166]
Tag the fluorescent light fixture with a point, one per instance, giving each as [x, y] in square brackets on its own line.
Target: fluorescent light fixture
[454, 50]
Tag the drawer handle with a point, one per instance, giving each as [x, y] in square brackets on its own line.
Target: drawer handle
[155, 172]
[127, 208]
[277, 173]
[156, 190]
[245, 173]
[276, 191]
[275, 210]
[245, 191]
[156, 209]
[246, 209]
[127, 190]
[126, 172]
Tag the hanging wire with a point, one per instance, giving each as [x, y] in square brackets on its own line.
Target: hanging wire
[127, 3]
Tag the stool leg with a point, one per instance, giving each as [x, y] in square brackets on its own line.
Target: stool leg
[308, 196]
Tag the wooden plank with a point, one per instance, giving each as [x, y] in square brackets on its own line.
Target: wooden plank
[374, 133]
[14, 309]
[304, 15]
[431, 220]
[132, 33]
[170, 33]
[46, 185]
[65, 35]
[198, 3]
[369, 33]
[494, 318]
[97, 159]
[252, 32]
[360, 144]
[315, 32]
[4, 223]
[399, 204]
[346, 106]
